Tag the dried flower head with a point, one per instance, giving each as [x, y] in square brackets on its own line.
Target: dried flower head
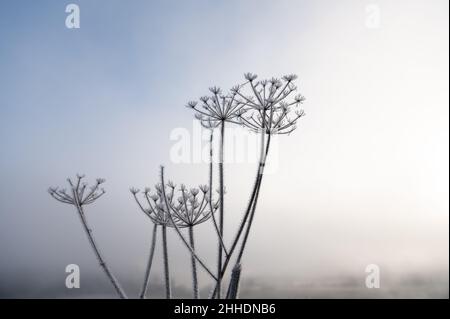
[266, 104]
[217, 108]
[250, 76]
[207, 122]
[171, 184]
[192, 209]
[134, 191]
[204, 188]
[79, 195]
[155, 208]
[189, 209]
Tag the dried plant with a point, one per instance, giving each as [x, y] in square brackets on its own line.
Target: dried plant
[159, 216]
[266, 107]
[216, 110]
[185, 212]
[190, 212]
[268, 111]
[177, 224]
[134, 192]
[79, 196]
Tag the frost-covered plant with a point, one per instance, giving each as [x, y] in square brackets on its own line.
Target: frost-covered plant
[79, 196]
[266, 107]
[176, 224]
[158, 214]
[216, 110]
[269, 109]
[194, 208]
[190, 209]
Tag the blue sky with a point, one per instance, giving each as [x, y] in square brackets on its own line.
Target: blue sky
[367, 168]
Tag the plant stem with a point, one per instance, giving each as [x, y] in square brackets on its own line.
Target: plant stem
[150, 261]
[250, 222]
[194, 263]
[213, 217]
[249, 206]
[100, 259]
[221, 212]
[233, 288]
[166, 262]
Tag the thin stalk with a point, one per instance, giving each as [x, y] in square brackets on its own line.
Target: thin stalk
[96, 250]
[213, 217]
[194, 264]
[234, 284]
[250, 222]
[221, 211]
[249, 206]
[149, 263]
[166, 262]
[235, 288]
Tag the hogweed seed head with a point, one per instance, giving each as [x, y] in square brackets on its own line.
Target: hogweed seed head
[215, 90]
[190, 208]
[134, 191]
[290, 77]
[266, 106]
[171, 184]
[217, 108]
[204, 188]
[191, 104]
[78, 195]
[300, 98]
[250, 76]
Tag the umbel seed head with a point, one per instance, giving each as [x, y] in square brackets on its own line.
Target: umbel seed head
[250, 76]
[78, 195]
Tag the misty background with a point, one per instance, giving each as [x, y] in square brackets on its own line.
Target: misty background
[363, 180]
